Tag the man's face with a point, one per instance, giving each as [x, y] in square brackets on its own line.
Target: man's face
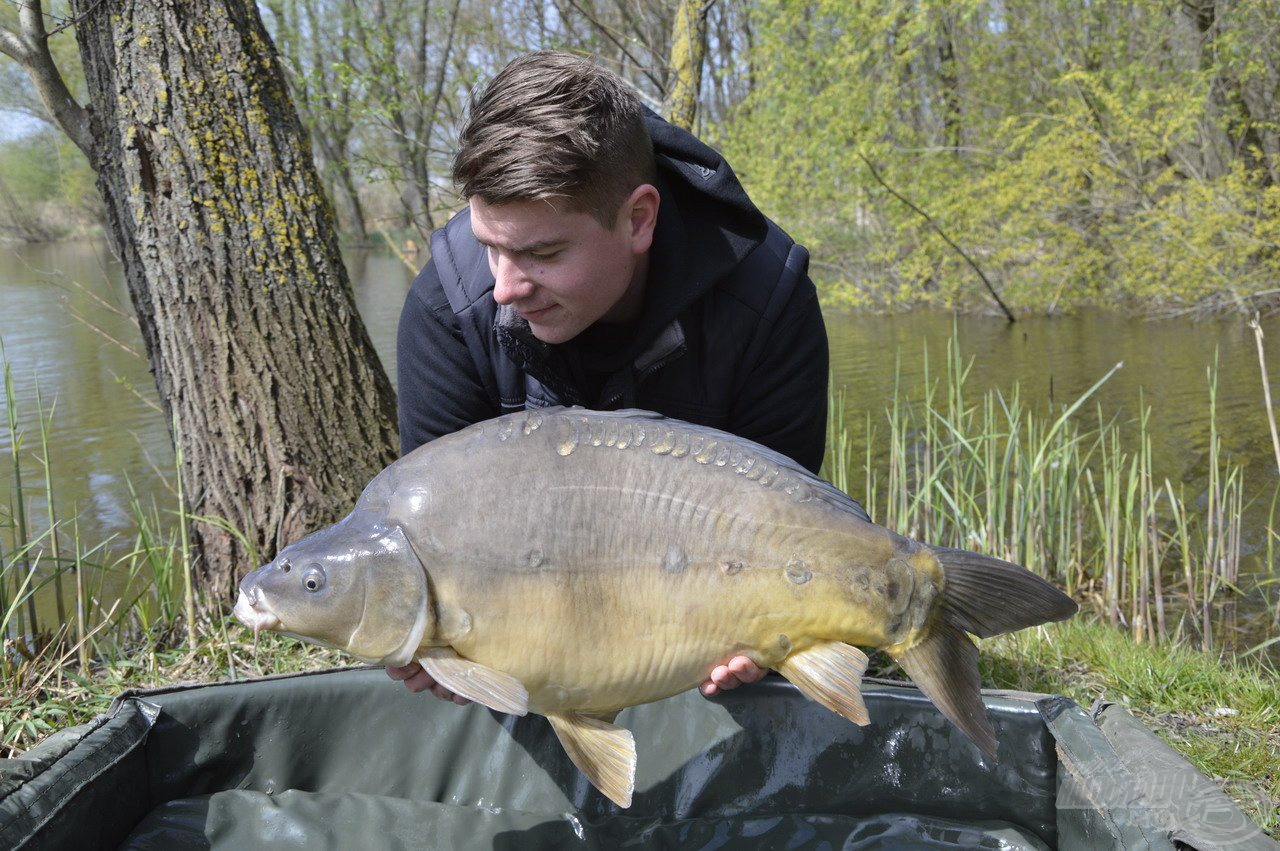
[563, 270]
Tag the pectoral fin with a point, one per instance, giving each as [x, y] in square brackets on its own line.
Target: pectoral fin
[831, 673]
[604, 752]
[475, 682]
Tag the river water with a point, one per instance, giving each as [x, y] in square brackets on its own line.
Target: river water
[64, 326]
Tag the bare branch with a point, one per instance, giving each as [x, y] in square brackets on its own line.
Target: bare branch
[30, 48]
[12, 46]
[607, 32]
[990, 287]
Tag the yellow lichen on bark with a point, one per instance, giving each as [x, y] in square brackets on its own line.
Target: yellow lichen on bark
[688, 48]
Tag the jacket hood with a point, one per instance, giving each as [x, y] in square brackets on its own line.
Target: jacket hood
[706, 226]
[704, 182]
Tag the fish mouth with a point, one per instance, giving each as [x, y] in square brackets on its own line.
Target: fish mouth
[249, 614]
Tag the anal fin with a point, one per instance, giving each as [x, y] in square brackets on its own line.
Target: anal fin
[945, 667]
[605, 753]
[830, 672]
[475, 682]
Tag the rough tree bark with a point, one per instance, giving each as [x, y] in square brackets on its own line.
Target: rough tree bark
[281, 408]
[688, 50]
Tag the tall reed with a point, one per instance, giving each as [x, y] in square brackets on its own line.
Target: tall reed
[55, 550]
[1074, 498]
[18, 506]
[120, 589]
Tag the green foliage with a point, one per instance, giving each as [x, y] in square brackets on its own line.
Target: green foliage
[46, 185]
[1076, 152]
[30, 168]
[1118, 151]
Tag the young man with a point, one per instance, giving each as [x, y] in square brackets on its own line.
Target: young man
[610, 260]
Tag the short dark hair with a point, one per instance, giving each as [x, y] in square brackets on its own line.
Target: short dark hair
[554, 125]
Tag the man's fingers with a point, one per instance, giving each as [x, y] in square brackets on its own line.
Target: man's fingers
[739, 670]
[745, 670]
[403, 672]
[417, 680]
[420, 682]
[724, 677]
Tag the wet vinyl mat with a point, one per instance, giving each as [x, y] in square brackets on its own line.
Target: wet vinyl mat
[349, 758]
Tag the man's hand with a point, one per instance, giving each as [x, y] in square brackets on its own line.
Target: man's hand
[417, 680]
[724, 677]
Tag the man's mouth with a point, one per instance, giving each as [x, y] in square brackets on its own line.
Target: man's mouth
[534, 315]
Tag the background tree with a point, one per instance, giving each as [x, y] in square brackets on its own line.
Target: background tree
[316, 44]
[46, 188]
[688, 51]
[281, 409]
[405, 76]
[1121, 151]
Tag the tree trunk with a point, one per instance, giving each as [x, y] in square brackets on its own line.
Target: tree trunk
[282, 411]
[1241, 127]
[688, 49]
[350, 194]
[949, 82]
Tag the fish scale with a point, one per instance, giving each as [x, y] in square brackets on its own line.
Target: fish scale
[573, 563]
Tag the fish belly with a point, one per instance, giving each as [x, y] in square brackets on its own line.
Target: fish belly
[582, 642]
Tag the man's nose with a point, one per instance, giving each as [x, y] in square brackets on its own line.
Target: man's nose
[510, 284]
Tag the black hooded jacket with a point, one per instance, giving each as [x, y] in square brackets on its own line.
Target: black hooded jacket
[730, 334]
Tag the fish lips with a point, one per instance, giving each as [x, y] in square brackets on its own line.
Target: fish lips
[253, 614]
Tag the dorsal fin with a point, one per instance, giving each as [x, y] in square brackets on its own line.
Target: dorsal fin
[818, 487]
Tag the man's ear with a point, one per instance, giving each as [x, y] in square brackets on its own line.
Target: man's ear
[641, 211]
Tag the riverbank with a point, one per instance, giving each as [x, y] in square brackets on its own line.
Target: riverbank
[1222, 714]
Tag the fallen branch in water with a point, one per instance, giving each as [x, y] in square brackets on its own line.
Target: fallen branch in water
[990, 287]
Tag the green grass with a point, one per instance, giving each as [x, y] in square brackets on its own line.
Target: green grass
[46, 691]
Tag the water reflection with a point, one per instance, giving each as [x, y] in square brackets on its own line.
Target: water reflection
[1054, 361]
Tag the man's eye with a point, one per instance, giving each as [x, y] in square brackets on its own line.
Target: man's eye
[545, 255]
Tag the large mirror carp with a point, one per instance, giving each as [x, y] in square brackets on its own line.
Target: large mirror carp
[573, 563]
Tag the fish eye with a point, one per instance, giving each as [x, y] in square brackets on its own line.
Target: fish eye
[313, 579]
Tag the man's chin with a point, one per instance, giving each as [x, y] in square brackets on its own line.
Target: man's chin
[550, 331]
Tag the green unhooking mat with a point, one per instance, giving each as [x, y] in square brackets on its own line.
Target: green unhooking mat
[349, 759]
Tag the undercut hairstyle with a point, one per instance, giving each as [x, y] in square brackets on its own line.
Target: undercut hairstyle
[553, 126]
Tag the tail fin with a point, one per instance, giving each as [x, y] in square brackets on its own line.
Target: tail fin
[987, 596]
[945, 666]
[984, 596]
